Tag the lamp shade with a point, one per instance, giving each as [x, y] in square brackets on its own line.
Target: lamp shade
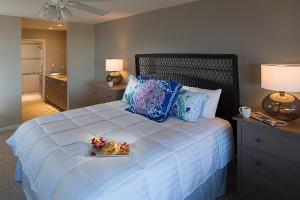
[114, 65]
[281, 77]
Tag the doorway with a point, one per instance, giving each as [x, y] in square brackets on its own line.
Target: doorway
[33, 80]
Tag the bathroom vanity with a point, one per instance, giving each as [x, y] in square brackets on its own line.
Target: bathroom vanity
[56, 91]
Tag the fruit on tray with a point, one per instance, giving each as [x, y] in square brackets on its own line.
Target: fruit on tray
[101, 145]
[98, 142]
[93, 153]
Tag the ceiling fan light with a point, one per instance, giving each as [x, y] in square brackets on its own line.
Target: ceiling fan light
[52, 12]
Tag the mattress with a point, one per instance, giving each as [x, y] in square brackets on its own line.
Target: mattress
[167, 161]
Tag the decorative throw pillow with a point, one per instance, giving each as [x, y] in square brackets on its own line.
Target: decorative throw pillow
[154, 98]
[189, 106]
[130, 89]
[212, 103]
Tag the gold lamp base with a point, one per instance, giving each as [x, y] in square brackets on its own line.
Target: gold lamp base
[282, 106]
[114, 77]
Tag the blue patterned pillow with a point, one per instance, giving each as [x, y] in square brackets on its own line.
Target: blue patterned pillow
[132, 86]
[154, 98]
[189, 106]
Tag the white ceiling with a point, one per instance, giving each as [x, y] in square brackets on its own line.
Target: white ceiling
[117, 8]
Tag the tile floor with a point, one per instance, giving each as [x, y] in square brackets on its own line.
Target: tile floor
[34, 106]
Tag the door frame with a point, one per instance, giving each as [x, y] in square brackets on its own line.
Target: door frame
[44, 63]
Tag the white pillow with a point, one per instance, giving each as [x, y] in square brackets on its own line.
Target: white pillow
[213, 100]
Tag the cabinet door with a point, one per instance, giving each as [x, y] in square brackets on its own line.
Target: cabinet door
[56, 92]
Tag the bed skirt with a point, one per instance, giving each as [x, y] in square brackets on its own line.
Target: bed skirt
[214, 187]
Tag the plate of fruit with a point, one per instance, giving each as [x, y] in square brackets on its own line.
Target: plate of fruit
[101, 147]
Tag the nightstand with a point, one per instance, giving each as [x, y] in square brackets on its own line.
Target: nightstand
[268, 160]
[102, 93]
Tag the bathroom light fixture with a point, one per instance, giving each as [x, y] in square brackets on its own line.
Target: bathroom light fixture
[281, 78]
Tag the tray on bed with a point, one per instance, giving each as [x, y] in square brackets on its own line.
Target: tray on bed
[110, 149]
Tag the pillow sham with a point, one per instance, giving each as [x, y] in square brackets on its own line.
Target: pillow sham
[130, 89]
[154, 98]
[189, 106]
[212, 103]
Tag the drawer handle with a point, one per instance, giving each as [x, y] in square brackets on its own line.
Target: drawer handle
[257, 140]
[258, 163]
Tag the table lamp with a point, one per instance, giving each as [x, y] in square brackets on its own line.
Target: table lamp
[281, 78]
[114, 66]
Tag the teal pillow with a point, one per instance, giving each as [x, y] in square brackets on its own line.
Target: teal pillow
[130, 89]
[189, 106]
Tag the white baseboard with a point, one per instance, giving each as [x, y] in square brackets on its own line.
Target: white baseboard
[9, 128]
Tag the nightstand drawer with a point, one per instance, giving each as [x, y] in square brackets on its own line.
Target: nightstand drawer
[271, 143]
[272, 168]
[104, 94]
[258, 187]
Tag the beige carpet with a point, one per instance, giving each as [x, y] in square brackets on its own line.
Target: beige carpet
[33, 106]
[9, 189]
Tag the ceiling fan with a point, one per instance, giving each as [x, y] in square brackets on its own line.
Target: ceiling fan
[58, 10]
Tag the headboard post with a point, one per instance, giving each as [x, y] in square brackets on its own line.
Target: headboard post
[208, 71]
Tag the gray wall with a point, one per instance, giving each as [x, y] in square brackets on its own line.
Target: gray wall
[10, 71]
[55, 47]
[81, 63]
[258, 31]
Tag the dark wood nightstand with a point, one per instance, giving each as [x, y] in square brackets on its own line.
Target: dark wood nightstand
[102, 93]
[268, 160]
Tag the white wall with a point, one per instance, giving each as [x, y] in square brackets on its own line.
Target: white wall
[10, 71]
[81, 63]
[258, 31]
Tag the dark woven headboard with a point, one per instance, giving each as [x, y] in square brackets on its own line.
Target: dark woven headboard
[207, 71]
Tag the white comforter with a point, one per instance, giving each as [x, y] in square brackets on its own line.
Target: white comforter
[168, 160]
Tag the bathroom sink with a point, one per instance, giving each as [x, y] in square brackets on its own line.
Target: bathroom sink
[59, 76]
[54, 74]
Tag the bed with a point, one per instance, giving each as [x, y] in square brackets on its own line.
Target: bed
[169, 160]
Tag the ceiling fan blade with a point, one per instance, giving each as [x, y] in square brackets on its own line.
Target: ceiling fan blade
[87, 8]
